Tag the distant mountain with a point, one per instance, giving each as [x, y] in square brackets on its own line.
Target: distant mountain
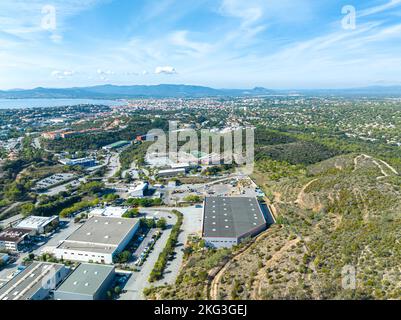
[126, 92]
[185, 91]
[372, 91]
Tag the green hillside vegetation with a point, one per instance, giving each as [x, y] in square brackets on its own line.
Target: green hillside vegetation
[341, 212]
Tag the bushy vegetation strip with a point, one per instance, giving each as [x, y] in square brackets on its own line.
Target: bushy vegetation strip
[161, 263]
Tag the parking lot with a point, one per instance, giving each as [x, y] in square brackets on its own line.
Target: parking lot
[232, 186]
[54, 180]
[145, 244]
[133, 290]
[192, 224]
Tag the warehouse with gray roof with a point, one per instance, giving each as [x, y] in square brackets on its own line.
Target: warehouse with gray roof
[87, 282]
[98, 240]
[229, 220]
[35, 282]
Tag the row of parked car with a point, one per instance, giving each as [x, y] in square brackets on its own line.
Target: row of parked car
[145, 253]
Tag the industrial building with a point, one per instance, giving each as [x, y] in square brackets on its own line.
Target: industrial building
[4, 257]
[139, 190]
[37, 225]
[116, 145]
[98, 240]
[111, 212]
[87, 282]
[147, 137]
[171, 172]
[35, 282]
[83, 162]
[229, 220]
[12, 239]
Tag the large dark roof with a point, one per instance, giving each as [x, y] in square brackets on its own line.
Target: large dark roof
[13, 234]
[231, 217]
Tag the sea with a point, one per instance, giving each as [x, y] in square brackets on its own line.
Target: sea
[49, 103]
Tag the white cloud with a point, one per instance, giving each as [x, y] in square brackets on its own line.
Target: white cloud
[105, 72]
[62, 74]
[180, 39]
[165, 70]
[377, 9]
[56, 38]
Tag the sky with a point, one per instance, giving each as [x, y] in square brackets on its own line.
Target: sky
[278, 44]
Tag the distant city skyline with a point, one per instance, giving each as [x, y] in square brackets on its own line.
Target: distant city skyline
[277, 44]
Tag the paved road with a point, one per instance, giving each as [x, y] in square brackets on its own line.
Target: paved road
[12, 219]
[139, 280]
[36, 143]
[113, 165]
[192, 224]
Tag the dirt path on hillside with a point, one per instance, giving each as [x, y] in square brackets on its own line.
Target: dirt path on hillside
[300, 199]
[257, 285]
[378, 163]
[214, 287]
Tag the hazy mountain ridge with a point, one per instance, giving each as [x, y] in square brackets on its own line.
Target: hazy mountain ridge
[184, 91]
[121, 92]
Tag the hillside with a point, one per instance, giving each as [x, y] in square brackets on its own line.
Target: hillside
[343, 211]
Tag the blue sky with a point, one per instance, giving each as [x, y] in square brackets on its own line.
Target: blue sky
[218, 43]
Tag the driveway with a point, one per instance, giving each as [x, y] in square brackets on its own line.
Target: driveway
[139, 280]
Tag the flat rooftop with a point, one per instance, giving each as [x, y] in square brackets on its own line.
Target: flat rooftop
[167, 171]
[35, 222]
[231, 217]
[117, 144]
[100, 234]
[86, 279]
[116, 212]
[25, 284]
[13, 234]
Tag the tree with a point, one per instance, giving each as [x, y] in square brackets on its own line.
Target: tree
[161, 223]
[14, 192]
[110, 197]
[147, 223]
[92, 187]
[109, 294]
[192, 198]
[124, 256]
[27, 209]
[131, 213]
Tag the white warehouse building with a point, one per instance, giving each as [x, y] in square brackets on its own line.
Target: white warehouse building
[229, 220]
[98, 240]
[37, 224]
